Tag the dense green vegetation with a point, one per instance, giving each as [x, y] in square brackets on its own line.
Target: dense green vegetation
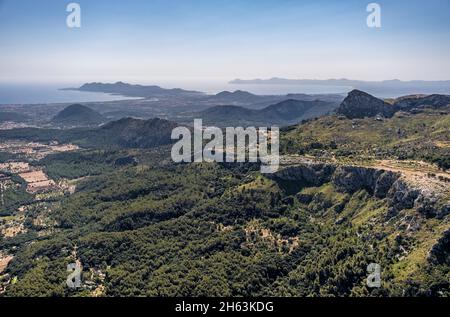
[423, 136]
[286, 112]
[73, 165]
[143, 226]
[13, 196]
[220, 231]
[12, 116]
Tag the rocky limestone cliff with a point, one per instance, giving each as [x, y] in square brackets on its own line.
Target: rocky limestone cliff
[400, 193]
[352, 178]
[308, 174]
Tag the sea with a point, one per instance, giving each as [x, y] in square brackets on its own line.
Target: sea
[40, 94]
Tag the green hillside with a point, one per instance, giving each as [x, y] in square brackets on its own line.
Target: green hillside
[349, 192]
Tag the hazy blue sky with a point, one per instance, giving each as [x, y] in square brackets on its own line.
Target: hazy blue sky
[139, 40]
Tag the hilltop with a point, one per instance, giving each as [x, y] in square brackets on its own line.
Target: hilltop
[135, 133]
[406, 135]
[78, 115]
[359, 104]
[237, 96]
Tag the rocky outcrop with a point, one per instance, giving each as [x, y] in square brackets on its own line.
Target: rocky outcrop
[440, 252]
[414, 102]
[307, 174]
[359, 104]
[351, 179]
[384, 183]
[400, 194]
[403, 195]
[429, 207]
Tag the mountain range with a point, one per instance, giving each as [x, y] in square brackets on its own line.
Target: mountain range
[283, 113]
[252, 101]
[185, 98]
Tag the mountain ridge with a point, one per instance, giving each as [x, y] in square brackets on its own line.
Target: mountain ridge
[285, 112]
[359, 104]
[123, 133]
[129, 90]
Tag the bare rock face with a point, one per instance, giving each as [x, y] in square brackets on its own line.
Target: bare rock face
[400, 194]
[384, 183]
[359, 104]
[405, 196]
[307, 174]
[346, 179]
[440, 252]
[350, 179]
